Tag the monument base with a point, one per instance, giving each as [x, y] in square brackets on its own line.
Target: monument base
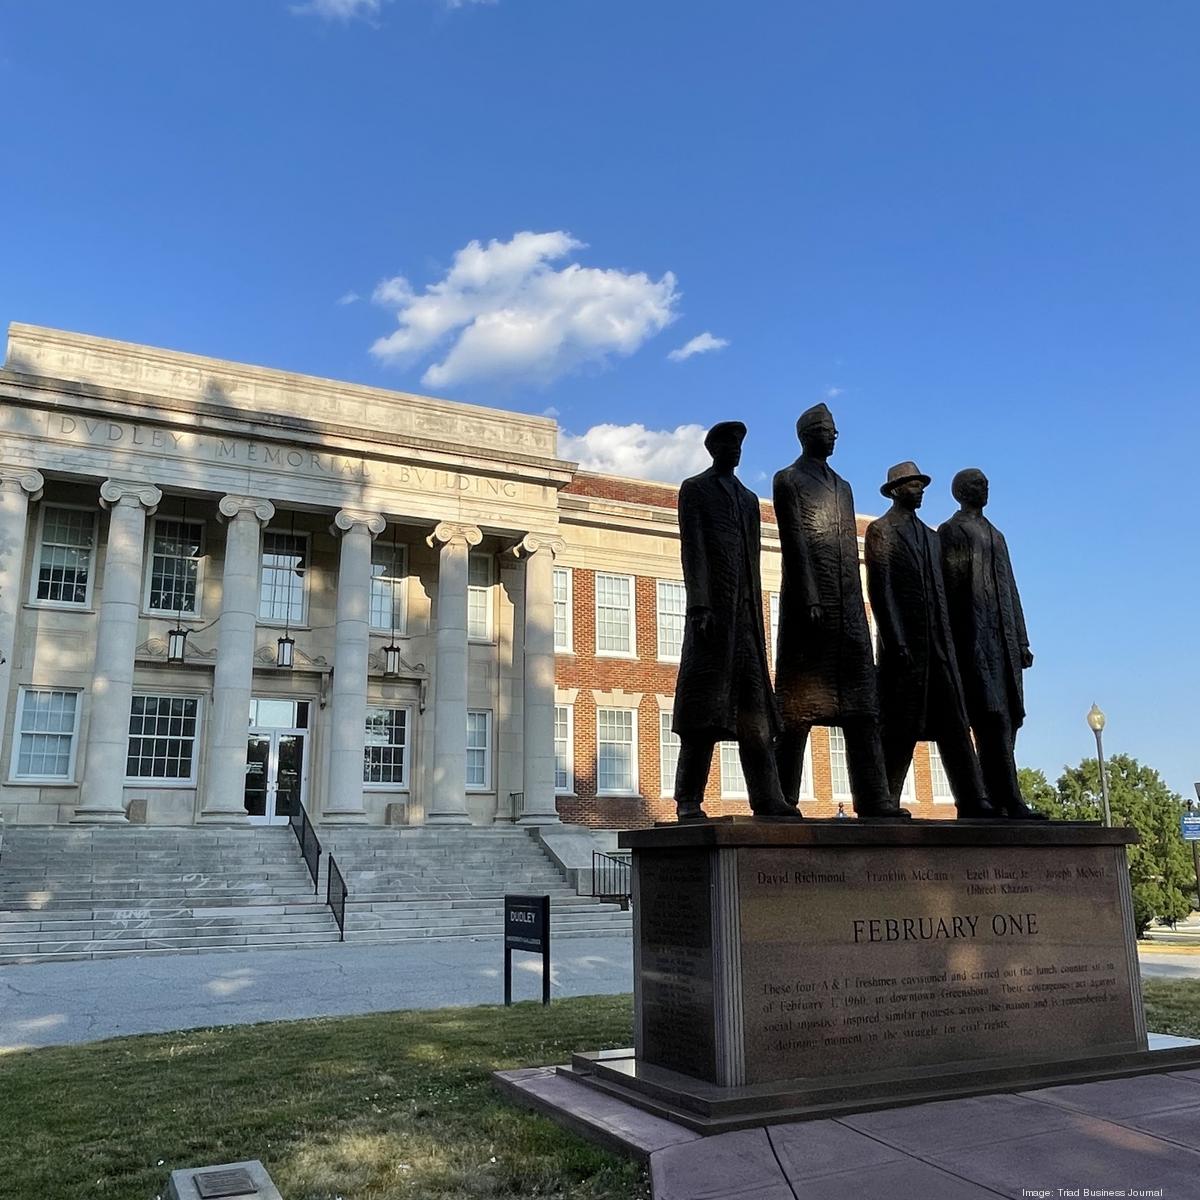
[799, 969]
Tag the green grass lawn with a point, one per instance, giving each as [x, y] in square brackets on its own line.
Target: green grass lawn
[364, 1108]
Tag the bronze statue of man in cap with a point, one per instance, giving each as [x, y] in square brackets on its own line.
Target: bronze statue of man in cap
[723, 691]
[824, 669]
[989, 637]
[920, 690]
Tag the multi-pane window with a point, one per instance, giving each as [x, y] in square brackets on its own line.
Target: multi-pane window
[562, 608]
[564, 766]
[773, 648]
[479, 596]
[174, 582]
[284, 565]
[733, 781]
[479, 750]
[162, 738]
[385, 748]
[389, 572]
[614, 614]
[668, 754]
[65, 556]
[47, 725]
[839, 771]
[672, 607]
[939, 780]
[616, 739]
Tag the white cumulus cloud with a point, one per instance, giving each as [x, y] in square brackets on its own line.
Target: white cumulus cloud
[634, 450]
[349, 298]
[340, 10]
[702, 343]
[503, 312]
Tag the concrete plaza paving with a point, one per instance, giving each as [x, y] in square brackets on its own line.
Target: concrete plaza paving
[50, 1004]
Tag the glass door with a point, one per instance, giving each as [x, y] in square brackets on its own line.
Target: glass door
[276, 771]
[259, 789]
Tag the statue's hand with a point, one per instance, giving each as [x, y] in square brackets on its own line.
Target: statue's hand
[1027, 658]
[702, 623]
[902, 653]
[815, 613]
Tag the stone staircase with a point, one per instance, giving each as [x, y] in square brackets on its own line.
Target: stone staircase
[436, 882]
[112, 891]
[69, 892]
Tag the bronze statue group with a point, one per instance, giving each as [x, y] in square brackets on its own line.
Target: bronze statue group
[952, 640]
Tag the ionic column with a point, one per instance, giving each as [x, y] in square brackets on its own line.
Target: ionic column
[351, 647]
[18, 486]
[224, 800]
[448, 799]
[538, 552]
[101, 798]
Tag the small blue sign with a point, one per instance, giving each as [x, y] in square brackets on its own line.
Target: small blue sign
[1189, 826]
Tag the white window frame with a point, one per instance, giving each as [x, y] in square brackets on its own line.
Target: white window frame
[568, 788]
[935, 756]
[568, 645]
[35, 573]
[157, 781]
[192, 615]
[666, 778]
[399, 587]
[66, 780]
[773, 626]
[847, 794]
[658, 616]
[908, 791]
[489, 634]
[633, 790]
[403, 785]
[632, 579]
[281, 622]
[807, 789]
[486, 786]
[728, 752]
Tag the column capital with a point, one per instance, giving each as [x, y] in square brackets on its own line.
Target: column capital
[453, 531]
[26, 478]
[129, 493]
[531, 543]
[231, 507]
[346, 518]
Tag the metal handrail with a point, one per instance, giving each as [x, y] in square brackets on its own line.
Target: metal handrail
[336, 897]
[310, 845]
[611, 877]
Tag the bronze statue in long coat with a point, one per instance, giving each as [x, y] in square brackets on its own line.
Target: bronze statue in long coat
[723, 691]
[920, 689]
[990, 640]
[824, 670]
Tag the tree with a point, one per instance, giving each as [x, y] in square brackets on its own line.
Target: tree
[1160, 867]
[1037, 792]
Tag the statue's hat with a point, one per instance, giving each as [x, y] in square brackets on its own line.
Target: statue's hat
[723, 430]
[902, 473]
[813, 416]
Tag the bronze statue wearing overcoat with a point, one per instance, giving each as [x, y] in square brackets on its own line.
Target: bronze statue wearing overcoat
[920, 689]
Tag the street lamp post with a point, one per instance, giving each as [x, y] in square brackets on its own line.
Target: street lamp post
[1196, 847]
[1095, 720]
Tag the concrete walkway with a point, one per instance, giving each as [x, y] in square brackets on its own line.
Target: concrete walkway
[52, 1004]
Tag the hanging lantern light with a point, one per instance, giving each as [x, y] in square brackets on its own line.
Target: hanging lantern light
[176, 645]
[391, 661]
[285, 651]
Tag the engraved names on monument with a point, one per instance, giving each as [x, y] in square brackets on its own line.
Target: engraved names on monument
[871, 959]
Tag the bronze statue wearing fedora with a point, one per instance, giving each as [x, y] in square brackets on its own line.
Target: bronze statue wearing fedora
[989, 637]
[723, 691]
[824, 670]
[921, 692]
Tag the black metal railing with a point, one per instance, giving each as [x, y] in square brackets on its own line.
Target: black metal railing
[611, 877]
[310, 846]
[336, 894]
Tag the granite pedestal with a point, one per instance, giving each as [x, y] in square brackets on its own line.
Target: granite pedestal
[783, 970]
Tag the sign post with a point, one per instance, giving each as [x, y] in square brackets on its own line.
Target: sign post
[527, 927]
[1189, 826]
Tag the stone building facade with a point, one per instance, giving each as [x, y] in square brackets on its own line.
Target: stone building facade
[393, 608]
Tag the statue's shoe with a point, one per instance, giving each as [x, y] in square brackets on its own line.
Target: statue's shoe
[1020, 811]
[981, 809]
[690, 812]
[777, 810]
[885, 810]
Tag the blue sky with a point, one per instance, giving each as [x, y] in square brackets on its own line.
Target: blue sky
[972, 227]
